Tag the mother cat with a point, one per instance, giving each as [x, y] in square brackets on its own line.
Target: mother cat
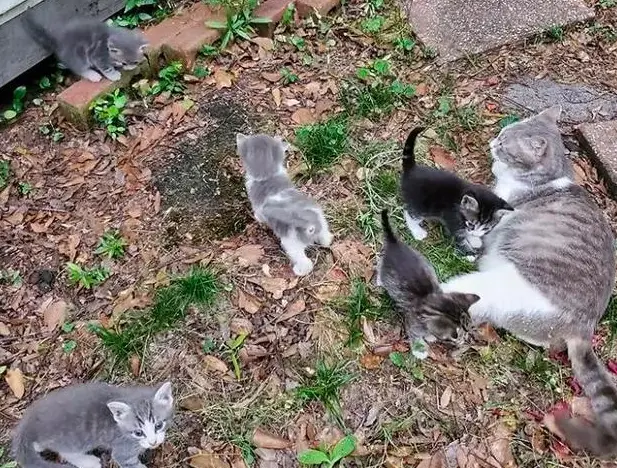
[548, 268]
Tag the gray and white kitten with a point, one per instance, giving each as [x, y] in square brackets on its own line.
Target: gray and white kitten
[548, 269]
[411, 282]
[90, 48]
[77, 419]
[295, 218]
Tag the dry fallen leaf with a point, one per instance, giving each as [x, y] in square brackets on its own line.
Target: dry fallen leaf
[248, 302]
[249, 254]
[54, 315]
[446, 396]
[303, 116]
[295, 308]
[213, 363]
[275, 286]
[207, 460]
[4, 330]
[15, 379]
[223, 78]
[442, 158]
[371, 361]
[264, 42]
[500, 446]
[263, 439]
[241, 325]
[276, 95]
[135, 364]
[271, 77]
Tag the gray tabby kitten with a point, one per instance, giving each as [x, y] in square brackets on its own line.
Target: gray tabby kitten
[75, 420]
[296, 219]
[90, 48]
[411, 282]
[548, 268]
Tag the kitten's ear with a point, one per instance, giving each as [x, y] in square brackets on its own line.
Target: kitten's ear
[163, 396]
[470, 204]
[240, 139]
[551, 114]
[467, 299]
[119, 410]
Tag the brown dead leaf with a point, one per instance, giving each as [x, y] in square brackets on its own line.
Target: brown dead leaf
[303, 116]
[212, 363]
[421, 89]
[4, 329]
[295, 308]
[15, 218]
[500, 446]
[276, 95]
[248, 302]
[371, 361]
[15, 379]
[436, 461]
[223, 78]
[581, 406]
[263, 439]
[352, 255]
[487, 333]
[76, 181]
[249, 254]
[271, 77]
[135, 364]
[264, 42]
[442, 157]
[446, 396]
[207, 460]
[275, 286]
[192, 403]
[241, 325]
[4, 195]
[323, 105]
[54, 314]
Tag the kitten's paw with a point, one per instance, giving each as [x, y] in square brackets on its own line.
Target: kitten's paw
[419, 233]
[303, 268]
[91, 75]
[413, 224]
[113, 75]
[326, 239]
[471, 258]
[474, 242]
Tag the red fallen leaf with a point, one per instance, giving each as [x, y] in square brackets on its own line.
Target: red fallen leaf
[612, 366]
[442, 157]
[491, 106]
[492, 80]
[421, 89]
[575, 386]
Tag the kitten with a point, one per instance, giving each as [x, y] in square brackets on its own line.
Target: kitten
[77, 419]
[90, 48]
[412, 284]
[296, 219]
[467, 210]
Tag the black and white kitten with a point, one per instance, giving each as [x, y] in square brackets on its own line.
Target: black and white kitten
[411, 282]
[468, 211]
[90, 48]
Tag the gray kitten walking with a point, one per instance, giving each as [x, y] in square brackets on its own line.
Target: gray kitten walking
[296, 219]
[90, 48]
[75, 420]
[548, 268]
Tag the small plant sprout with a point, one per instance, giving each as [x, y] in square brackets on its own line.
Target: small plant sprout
[288, 15]
[86, 277]
[239, 23]
[201, 72]
[111, 245]
[322, 144]
[24, 188]
[288, 76]
[10, 276]
[404, 44]
[109, 112]
[329, 458]
[17, 103]
[5, 173]
[233, 348]
[298, 42]
[169, 80]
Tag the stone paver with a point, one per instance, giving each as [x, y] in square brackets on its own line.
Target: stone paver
[579, 103]
[456, 28]
[600, 142]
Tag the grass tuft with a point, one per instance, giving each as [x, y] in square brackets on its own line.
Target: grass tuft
[199, 287]
[322, 144]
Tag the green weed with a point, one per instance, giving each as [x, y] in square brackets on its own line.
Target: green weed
[209, 51]
[554, 34]
[607, 3]
[408, 363]
[86, 277]
[239, 22]
[49, 131]
[404, 44]
[10, 276]
[169, 80]
[539, 367]
[138, 12]
[24, 188]
[328, 458]
[372, 25]
[322, 144]
[298, 42]
[111, 245]
[288, 15]
[428, 53]
[5, 173]
[508, 120]
[606, 32]
[17, 103]
[201, 72]
[325, 386]
[610, 317]
[109, 112]
[6, 464]
[288, 76]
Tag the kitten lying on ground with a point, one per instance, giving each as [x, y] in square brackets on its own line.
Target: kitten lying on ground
[90, 48]
[296, 219]
[75, 420]
[409, 279]
[467, 210]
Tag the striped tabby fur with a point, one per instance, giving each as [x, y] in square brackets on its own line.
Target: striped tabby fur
[548, 268]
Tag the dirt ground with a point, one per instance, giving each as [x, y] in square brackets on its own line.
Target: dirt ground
[173, 187]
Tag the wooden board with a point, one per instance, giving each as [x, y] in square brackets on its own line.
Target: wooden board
[19, 52]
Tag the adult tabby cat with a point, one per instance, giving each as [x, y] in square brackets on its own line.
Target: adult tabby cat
[548, 268]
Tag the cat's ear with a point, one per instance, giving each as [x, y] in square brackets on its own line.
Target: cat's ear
[163, 396]
[240, 139]
[469, 204]
[284, 145]
[551, 114]
[467, 300]
[119, 410]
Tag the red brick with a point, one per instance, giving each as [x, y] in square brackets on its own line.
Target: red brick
[272, 9]
[306, 7]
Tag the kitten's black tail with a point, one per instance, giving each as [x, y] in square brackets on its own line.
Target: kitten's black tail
[38, 33]
[25, 454]
[409, 158]
[387, 229]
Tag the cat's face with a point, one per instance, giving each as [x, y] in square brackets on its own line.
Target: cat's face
[531, 146]
[126, 48]
[446, 315]
[262, 155]
[145, 421]
[481, 212]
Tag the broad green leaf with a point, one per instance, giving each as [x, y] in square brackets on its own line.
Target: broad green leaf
[313, 457]
[9, 114]
[344, 447]
[397, 359]
[19, 93]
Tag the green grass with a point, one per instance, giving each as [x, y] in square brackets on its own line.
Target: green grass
[374, 99]
[536, 365]
[322, 144]
[111, 245]
[199, 287]
[607, 3]
[325, 386]
[5, 173]
[606, 32]
[553, 34]
[468, 117]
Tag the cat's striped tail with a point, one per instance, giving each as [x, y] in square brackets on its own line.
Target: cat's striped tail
[599, 438]
[409, 157]
[26, 455]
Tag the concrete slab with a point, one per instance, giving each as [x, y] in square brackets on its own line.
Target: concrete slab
[456, 28]
[600, 142]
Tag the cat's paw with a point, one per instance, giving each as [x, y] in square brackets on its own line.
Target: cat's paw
[419, 233]
[471, 258]
[474, 242]
[303, 268]
[326, 239]
[91, 75]
[113, 75]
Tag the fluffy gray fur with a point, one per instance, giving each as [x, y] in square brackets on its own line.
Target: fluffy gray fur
[75, 420]
[296, 219]
[90, 48]
[411, 282]
[548, 268]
